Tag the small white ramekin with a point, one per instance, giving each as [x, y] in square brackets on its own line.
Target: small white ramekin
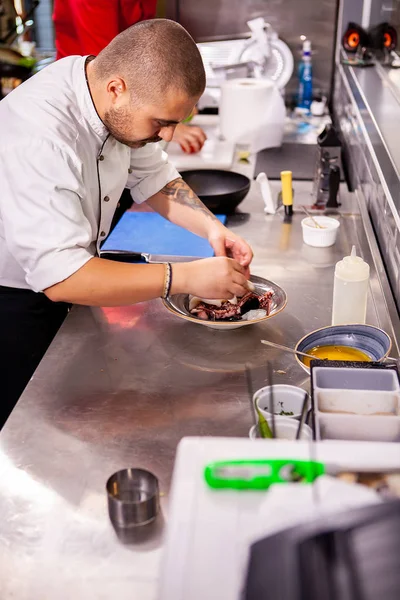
[320, 237]
[285, 429]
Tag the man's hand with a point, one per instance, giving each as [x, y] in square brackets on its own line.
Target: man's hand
[220, 278]
[190, 138]
[226, 243]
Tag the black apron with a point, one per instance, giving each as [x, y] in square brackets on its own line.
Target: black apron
[28, 323]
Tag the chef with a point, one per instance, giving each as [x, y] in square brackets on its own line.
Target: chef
[73, 136]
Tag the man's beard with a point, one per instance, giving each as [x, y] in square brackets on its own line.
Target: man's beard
[114, 121]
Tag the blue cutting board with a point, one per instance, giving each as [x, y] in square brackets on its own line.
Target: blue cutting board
[152, 234]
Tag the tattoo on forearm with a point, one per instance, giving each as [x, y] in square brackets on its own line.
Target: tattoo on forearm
[181, 193]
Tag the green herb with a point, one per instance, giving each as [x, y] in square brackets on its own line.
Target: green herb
[289, 414]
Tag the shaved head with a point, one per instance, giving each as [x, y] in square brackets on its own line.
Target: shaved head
[153, 57]
[146, 81]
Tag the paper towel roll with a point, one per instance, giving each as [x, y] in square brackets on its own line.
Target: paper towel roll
[252, 112]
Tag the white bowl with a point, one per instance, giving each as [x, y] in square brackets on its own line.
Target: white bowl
[285, 429]
[287, 398]
[320, 237]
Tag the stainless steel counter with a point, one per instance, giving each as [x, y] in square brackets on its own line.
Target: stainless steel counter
[121, 386]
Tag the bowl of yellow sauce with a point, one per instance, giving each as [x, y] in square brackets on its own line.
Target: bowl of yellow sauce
[355, 343]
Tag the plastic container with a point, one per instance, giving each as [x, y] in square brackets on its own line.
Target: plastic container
[357, 427]
[356, 403]
[287, 398]
[350, 291]
[320, 237]
[356, 391]
[305, 91]
[285, 429]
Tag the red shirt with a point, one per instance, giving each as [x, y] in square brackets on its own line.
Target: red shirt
[87, 26]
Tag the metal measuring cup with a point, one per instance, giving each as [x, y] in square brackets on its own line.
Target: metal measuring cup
[133, 498]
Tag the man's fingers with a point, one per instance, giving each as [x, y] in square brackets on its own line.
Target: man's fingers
[240, 251]
[244, 270]
[239, 290]
[238, 267]
[195, 144]
[185, 146]
[201, 136]
[190, 138]
[247, 272]
[241, 280]
[197, 138]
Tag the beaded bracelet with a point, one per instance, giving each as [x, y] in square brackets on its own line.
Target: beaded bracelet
[167, 280]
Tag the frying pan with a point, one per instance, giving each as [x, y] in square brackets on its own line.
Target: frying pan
[221, 191]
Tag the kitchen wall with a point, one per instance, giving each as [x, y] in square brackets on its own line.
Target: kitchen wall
[315, 19]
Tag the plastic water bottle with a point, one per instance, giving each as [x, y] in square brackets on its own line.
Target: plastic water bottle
[350, 290]
[305, 94]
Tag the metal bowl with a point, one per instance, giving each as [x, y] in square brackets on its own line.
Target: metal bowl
[374, 342]
[178, 305]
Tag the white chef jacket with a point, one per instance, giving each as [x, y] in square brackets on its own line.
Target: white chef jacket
[61, 177]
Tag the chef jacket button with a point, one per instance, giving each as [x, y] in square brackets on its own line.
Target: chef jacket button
[106, 198]
[101, 157]
[102, 234]
[130, 170]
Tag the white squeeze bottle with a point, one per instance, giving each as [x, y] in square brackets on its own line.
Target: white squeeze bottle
[350, 290]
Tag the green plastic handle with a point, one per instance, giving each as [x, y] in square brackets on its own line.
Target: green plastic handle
[260, 474]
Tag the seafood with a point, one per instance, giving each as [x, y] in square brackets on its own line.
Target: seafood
[232, 310]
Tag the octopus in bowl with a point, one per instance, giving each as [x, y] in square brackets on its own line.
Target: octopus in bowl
[266, 300]
[248, 307]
